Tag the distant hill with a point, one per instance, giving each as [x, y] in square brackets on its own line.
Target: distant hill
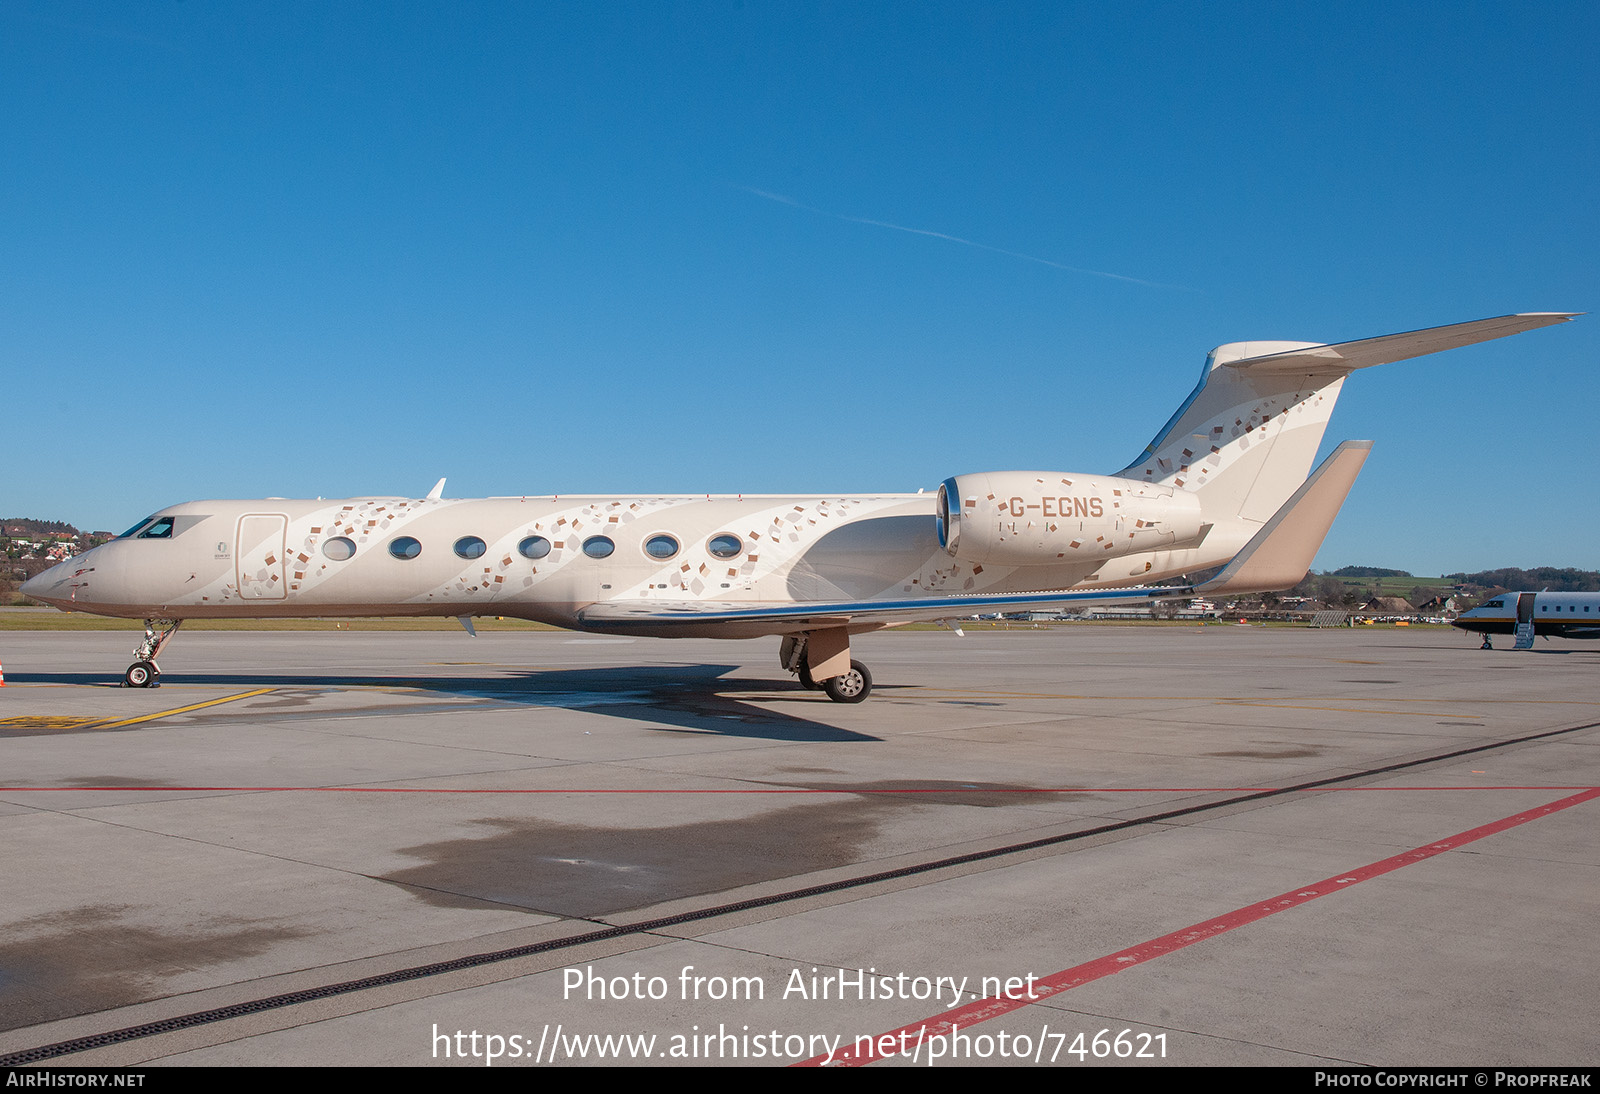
[1556, 579]
[33, 528]
[29, 546]
[1368, 571]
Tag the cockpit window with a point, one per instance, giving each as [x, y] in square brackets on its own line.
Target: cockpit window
[136, 527]
[160, 528]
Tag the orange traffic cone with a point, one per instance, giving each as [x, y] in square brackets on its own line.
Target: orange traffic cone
[2, 676]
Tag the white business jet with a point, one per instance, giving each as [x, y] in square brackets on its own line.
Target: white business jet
[1553, 615]
[1225, 481]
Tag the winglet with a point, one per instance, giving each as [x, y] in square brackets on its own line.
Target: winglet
[1279, 555]
[437, 492]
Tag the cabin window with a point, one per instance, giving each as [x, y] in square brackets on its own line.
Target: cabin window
[339, 548]
[405, 547]
[160, 528]
[725, 546]
[470, 547]
[598, 546]
[661, 547]
[534, 547]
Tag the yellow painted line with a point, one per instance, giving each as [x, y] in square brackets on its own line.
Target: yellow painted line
[44, 721]
[1365, 710]
[1244, 699]
[183, 710]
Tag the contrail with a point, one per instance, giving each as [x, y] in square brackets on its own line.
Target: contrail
[782, 200]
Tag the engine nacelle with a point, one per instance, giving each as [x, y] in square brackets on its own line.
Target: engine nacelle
[1037, 518]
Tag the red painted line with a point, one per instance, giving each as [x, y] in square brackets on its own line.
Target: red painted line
[982, 1010]
[787, 790]
[671, 790]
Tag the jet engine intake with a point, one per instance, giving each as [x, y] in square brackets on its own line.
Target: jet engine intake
[1035, 518]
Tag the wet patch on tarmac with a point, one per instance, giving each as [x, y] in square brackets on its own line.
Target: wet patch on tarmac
[903, 792]
[584, 872]
[1268, 754]
[580, 871]
[91, 959]
[281, 699]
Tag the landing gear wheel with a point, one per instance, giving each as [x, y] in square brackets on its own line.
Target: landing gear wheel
[141, 674]
[806, 680]
[852, 687]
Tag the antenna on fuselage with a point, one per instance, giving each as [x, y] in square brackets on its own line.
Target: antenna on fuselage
[437, 492]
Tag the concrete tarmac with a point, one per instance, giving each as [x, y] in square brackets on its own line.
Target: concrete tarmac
[1172, 845]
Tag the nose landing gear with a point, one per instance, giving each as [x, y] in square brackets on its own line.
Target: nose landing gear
[144, 672]
[141, 674]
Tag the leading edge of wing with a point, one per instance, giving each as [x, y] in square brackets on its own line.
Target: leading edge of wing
[621, 614]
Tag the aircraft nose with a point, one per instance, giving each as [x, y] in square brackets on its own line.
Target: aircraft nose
[36, 585]
[62, 584]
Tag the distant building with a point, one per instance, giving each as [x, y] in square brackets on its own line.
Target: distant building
[1388, 606]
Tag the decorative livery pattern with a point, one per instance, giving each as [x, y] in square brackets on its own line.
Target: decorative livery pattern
[1219, 484]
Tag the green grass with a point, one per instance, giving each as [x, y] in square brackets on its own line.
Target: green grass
[1400, 586]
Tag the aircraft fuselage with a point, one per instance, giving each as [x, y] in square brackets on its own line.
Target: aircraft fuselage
[1553, 615]
[1228, 480]
[548, 558]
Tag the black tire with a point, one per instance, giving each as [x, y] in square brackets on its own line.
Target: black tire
[852, 687]
[140, 674]
[806, 680]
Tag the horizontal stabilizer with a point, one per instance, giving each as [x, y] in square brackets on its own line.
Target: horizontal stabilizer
[1345, 357]
[1279, 555]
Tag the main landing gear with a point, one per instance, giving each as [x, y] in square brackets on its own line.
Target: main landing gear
[144, 672]
[849, 687]
[1487, 645]
[821, 659]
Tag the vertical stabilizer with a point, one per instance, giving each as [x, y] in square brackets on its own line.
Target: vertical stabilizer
[1244, 438]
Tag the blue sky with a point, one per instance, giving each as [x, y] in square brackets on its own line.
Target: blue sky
[341, 249]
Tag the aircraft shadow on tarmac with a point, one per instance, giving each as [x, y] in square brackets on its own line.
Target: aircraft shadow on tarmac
[690, 698]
